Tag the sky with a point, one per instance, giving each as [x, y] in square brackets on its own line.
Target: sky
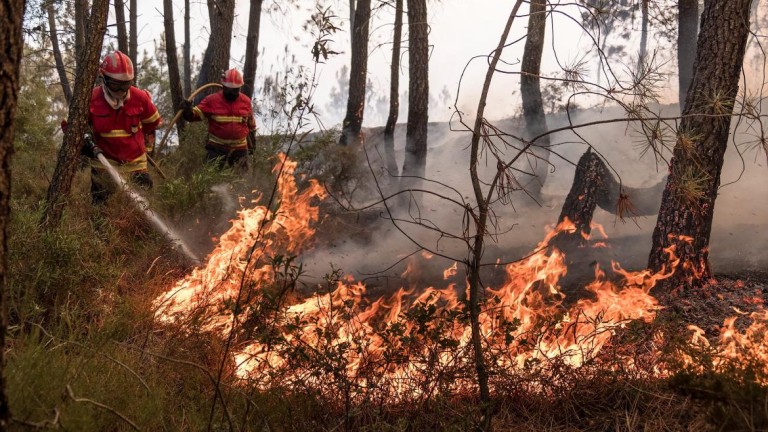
[460, 30]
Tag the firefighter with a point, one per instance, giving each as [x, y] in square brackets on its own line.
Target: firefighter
[231, 125]
[123, 121]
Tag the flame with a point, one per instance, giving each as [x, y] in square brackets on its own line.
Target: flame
[396, 340]
[745, 350]
[239, 256]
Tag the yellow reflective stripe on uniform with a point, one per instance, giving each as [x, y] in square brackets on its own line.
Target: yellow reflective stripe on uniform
[138, 164]
[227, 119]
[226, 142]
[153, 118]
[117, 133]
[198, 113]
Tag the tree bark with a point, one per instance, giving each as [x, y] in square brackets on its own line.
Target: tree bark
[11, 21]
[252, 47]
[688, 202]
[187, 56]
[173, 60]
[133, 45]
[533, 107]
[687, 29]
[418, 90]
[122, 34]
[394, 92]
[358, 74]
[66, 165]
[62, 71]
[588, 184]
[81, 22]
[221, 14]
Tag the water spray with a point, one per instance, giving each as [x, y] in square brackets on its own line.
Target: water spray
[143, 205]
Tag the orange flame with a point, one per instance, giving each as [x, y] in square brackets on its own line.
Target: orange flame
[521, 319]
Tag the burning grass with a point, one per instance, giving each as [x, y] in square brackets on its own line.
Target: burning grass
[342, 357]
[411, 348]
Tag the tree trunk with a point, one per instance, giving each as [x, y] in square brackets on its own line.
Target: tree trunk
[173, 60]
[11, 21]
[533, 107]
[358, 74]
[588, 184]
[81, 21]
[418, 90]
[57, 52]
[394, 92]
[643, 33]
[187, 56]
[122, 34]
[252, 47]
[133, 46]
[687, 29]
[688, 202]
[66, 165]
[480, 220]
[352, 24]
[221, 14]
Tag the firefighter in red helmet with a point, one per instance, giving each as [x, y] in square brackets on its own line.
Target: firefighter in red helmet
[123, 120]
[231, 125]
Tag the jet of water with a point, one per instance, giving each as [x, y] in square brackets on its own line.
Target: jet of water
[143, 205]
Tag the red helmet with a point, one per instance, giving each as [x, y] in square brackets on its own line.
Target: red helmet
[117, 66]
[232, 79]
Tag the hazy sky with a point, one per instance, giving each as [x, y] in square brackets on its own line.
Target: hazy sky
[460, 29]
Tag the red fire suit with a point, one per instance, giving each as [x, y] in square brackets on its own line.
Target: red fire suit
[125, 135]
[229, 124]
[120, 133]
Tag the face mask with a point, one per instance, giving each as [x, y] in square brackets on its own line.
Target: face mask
[116, 95]
[231, 94]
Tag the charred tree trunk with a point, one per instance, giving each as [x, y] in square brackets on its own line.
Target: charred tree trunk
[415, 161]
[62, 71]
[133, 45]
[252, 47]
[66, 165]
[122, 33]
[588, 185]
[687, 29]
[11, 21]
[358, 74]
[221, 14]
[394, 92]
[174, 77]
[688, 202]
[595, 186]
[533, 107]
[187, 55]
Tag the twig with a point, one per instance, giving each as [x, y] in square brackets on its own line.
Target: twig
[72, 396]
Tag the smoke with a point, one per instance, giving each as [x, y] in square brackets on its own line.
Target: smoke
[378, 246]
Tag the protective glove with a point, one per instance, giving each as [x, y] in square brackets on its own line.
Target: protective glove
[186, 110]
[251, 142]
[90, 149]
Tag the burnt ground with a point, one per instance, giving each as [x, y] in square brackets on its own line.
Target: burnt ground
[729, 293]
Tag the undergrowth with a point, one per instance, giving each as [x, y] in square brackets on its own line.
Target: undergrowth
[84, 352]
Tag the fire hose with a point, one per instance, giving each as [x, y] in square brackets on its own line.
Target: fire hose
[178, 115]
[142, 203]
